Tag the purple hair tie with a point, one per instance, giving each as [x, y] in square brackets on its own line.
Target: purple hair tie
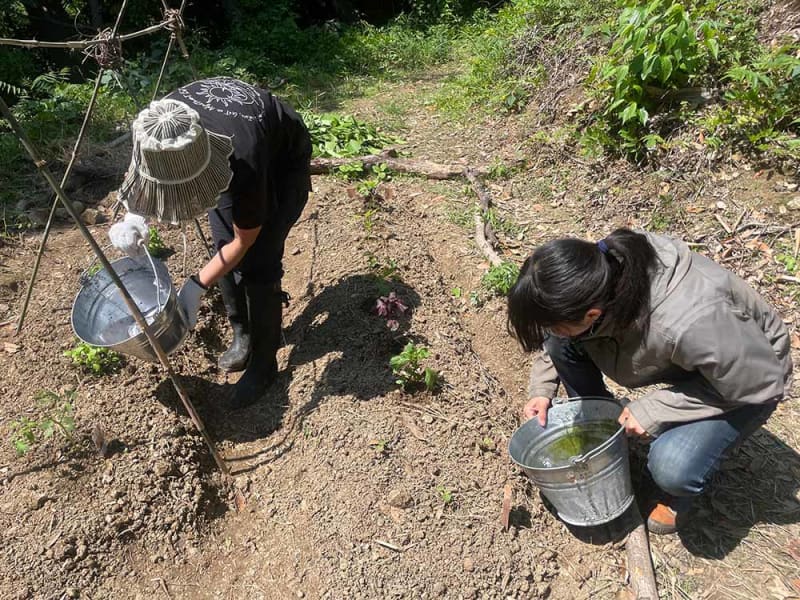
[603, 246]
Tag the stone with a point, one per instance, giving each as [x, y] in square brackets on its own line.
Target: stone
[92, 216]
[399, 499]
[794, 203]
[469, 565]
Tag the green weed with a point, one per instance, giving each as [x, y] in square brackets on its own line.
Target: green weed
[56, 415]
[94, 360]
[408, 370]
[155, 245]
[498, 280]
[335, 136]
[447, 496]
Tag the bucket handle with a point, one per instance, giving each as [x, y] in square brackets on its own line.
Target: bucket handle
[85, 277]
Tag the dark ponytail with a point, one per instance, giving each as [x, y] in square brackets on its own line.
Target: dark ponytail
[565, 278]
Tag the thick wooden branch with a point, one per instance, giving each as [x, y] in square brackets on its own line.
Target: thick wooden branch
[481, 224]
[640, 563]
[322, 166]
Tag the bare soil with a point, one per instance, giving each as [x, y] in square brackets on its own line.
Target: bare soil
[354, 488]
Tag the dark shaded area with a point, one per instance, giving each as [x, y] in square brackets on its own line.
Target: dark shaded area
[337, 320]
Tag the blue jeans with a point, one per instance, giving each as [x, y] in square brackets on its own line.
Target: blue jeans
[683, 458]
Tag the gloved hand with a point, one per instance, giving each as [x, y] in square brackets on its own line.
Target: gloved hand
[130, 235]
[189, 298]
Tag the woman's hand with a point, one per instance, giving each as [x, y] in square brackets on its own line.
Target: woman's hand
[631, 425]
[537, 407]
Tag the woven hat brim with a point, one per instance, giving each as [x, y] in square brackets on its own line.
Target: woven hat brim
[178, 202]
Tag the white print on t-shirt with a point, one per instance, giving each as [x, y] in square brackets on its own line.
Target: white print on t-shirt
[226, 96]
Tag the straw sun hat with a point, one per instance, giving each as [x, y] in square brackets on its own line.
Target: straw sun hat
[178, 168]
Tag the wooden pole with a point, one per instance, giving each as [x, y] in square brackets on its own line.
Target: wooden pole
[41, 165]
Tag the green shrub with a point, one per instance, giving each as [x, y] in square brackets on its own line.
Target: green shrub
[657, 47]
[409, 371]
[94, 360]
[499, 280]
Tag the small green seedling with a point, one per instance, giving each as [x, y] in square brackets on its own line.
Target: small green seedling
[57, 416]
[369, 187]
[368, 218]
[351, 171]
[788, 261]
[445, 494]
[155, 245]
[408, 370]
[487, 444]
[94, 269]
[94, 360]
[380, 446]
[388, 270]
[499, 279]
[456, 292]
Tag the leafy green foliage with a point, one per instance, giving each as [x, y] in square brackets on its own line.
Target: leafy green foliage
[368, 188]
[337, 137]
[499, 279]
[94, 360]
[789, 262]
[155, 245]
[408, 370]
[56, 415]
[351, 171]
[446, 494]
[657, 47]
[762, 105]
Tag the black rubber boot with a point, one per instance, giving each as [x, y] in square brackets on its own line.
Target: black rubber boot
[265, 304]
[233, 296]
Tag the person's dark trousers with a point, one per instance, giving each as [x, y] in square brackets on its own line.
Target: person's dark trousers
[577, 372]
[258, 278]
[683, 458]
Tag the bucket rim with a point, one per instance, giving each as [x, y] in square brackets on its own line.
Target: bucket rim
[574, 459]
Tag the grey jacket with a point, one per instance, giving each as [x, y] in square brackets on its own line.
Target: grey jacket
[712, 339]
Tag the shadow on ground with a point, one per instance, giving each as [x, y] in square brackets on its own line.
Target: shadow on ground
[348, 347]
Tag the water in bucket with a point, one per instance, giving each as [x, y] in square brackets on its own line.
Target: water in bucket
[572, 442]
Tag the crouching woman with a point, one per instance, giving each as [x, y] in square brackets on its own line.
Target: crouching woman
[643, 309]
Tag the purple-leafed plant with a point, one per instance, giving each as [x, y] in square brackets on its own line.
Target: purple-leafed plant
[391, 308]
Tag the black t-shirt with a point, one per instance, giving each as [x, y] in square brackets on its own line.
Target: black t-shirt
[271, 145]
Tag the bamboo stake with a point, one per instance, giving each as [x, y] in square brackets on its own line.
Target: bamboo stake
[67, 172]
[41, 165]
[64, 178]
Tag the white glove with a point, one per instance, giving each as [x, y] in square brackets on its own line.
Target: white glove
[130, 235]
[189, 298]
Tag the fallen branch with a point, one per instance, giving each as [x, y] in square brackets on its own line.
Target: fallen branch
[484, 202]
[640, 563]
[322, 166]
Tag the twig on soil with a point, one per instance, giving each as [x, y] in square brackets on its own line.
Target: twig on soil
[722, 222]
[788, 279]
[163, 586]
[505, 512]
[389, 546]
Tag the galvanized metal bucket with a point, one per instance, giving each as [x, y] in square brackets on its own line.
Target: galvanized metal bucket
[593, 488]
[101, 318]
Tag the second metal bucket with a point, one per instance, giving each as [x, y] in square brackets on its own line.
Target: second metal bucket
[101, 318]
[593, 488]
